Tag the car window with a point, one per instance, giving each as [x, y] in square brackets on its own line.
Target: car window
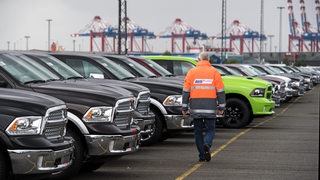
[60, 67]
[181, 67]
[115, 69]
[85, 68]
[164, 64]
[24, 71]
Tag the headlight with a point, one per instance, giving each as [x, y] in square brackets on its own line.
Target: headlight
[307, 80]
[98, 114]
[29, 125]
[258, 92]
[173, 100]
[295, 84]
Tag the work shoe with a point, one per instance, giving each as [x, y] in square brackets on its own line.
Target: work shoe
[207, 154]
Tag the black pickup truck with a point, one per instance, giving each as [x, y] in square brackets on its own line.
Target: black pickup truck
[166, 96]
[142, 115]
[99, 118]
[32, 134]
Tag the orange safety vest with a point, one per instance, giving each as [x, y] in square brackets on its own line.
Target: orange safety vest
[203, 87]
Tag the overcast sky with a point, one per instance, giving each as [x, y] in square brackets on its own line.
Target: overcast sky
[19, 18]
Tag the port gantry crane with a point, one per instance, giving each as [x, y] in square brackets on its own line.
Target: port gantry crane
[295, 43]
[96, 28]
[318, 24]
[309, 35]
[180, 30]
[135, 31]
[240, 37]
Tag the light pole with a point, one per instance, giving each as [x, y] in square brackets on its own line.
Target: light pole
[49, 20]
[74, 45]
[8, 42]
[280, 30]
[27, 43]
[270, 37]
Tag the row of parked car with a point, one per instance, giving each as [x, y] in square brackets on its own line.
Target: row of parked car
[62, 113]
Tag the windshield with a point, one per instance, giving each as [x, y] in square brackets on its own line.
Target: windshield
[274, 70]
[117, 70]
[258, 71]
[25, 71]
[134, 67]
[222, 72]
[234, 72]
[249, 72]
[61, 68]
[159, 68]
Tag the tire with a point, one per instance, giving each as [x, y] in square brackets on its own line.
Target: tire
[237, 114]
[157, 133]
[3, 166]
[78, 157]
[91, 166]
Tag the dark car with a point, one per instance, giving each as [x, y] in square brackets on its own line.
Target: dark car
[166, 97]
[32, 134]
[99, 118]
[152, 66]
[306, 78]
[140, 71]
[278, 84]
[142, 115]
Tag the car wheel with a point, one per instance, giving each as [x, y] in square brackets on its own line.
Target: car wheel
[3, 166]
[157, 132]
[237, 114]
[78, 157]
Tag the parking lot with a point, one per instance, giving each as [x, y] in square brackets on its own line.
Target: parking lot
[282, 146]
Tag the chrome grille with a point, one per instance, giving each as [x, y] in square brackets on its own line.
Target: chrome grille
[56, 121]
[269, 92]
[143, 103]
[123, 113]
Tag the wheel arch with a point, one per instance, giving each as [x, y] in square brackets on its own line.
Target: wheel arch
[243, 98]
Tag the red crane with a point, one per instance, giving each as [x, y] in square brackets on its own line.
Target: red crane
[136, 31]
[241, 36]
[295, 39]
[180, 30]
[318, 23]
[309, 35]
[96, 28]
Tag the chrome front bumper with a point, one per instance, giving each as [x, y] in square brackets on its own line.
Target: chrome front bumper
[105, 145]
[176, 122]
[40, 161]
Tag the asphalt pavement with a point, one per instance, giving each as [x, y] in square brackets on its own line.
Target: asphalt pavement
[284, 146]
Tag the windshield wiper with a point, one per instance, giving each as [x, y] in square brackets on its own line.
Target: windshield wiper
[152, 76]
[126, 78]
[48, 80]
[170, 75]
[35, 81]
[75, 77]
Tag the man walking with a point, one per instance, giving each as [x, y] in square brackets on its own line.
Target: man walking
[203, 95]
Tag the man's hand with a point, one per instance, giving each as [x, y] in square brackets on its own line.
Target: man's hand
[220, 112]
[184, 113]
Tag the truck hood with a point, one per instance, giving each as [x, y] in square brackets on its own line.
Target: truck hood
[82, 93]
[230, 82]
[158, 86]
[19, 103]
[134, 88]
